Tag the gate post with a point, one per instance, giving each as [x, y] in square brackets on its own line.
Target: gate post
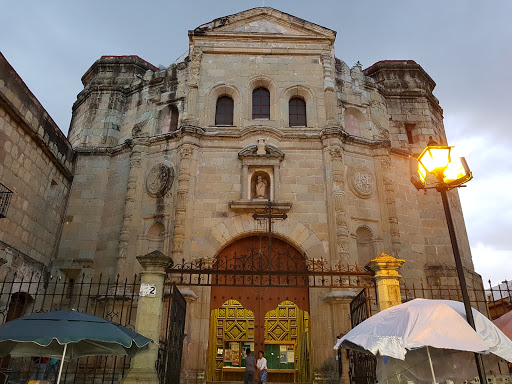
[386, 278]
[148, 319]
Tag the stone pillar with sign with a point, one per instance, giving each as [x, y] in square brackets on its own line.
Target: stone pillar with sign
[148, 320]
[386, 278]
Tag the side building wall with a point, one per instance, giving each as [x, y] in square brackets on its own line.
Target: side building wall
[36, 164]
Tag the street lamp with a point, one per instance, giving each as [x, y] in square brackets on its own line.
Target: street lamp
[450, 173]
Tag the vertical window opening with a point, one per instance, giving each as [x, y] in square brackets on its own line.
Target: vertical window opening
[174, 119]
[261, 103]
[297, 112]
[170, 121]
[224, 111]
[408, 129]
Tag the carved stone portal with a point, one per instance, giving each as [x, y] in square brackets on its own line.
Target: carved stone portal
[159, 180]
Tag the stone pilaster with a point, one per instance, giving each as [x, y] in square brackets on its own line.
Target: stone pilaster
[193, 91]
[389, 193]
[127, 231]
[336, 196]
[330, 201]
[338, 188]
[148, 320]
[386, 278]
[330, 96]
[180, 210]
[113, 119]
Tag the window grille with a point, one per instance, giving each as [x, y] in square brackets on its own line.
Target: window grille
[5, 199]
[261, 103]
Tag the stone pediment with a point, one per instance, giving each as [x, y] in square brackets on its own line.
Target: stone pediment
[270, 151]
[264, 20]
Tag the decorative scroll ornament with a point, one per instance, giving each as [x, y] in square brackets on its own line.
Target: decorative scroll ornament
[159, 180]
[361, 181]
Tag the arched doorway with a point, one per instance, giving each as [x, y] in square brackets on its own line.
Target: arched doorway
[268, 312]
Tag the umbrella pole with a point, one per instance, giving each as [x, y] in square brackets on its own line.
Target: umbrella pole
[62, 362]
[431, 366]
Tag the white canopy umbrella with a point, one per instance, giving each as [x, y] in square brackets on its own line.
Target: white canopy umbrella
[426, 323]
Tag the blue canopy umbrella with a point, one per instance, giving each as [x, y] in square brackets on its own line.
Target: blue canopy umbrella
[67, 335]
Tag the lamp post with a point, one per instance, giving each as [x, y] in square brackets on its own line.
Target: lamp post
[435, 159]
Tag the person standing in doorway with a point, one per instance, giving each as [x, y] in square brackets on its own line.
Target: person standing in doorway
[250, 367]
[261, 364]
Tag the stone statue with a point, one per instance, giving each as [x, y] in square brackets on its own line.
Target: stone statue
[261, 188]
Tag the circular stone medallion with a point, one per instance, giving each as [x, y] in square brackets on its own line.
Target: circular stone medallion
[159, 179]
[361, 181]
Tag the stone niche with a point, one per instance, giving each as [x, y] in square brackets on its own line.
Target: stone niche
[260, 182]
[260, 177]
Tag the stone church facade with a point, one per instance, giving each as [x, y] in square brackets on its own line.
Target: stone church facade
[179, 159]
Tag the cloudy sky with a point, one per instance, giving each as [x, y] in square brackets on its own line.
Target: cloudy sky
[464, 45]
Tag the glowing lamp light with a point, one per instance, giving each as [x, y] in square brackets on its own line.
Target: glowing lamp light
[435, 158]
[457, 172]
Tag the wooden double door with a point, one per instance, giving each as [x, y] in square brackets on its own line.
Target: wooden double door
[264, 300]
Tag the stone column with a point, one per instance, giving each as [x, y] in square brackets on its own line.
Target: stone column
[148, 320]
[386, 278]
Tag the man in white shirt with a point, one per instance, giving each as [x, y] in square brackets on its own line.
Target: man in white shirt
[261, 364]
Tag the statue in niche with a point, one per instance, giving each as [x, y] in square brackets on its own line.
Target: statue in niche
[261, 188]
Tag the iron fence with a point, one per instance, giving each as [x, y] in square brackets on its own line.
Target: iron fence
[256, 270]
[492, 302]
[114, 299]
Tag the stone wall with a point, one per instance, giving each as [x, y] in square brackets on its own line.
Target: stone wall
[36, 164]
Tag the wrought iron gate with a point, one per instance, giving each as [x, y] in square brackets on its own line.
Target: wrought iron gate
[361, 366]
[171, 344]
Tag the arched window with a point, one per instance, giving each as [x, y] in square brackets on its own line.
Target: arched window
[224, 111]
[261, 103]
[297, 111]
